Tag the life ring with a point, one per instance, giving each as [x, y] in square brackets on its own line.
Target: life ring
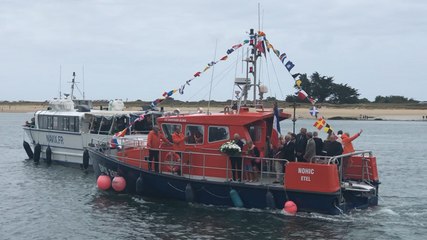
[174, 161]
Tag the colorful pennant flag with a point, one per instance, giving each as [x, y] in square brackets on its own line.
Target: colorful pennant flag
[282, 57]
[328, 129]
[314, 111]
[319, 123]
[302, 94]
[289, 65]
[260, 47]
[224, 58]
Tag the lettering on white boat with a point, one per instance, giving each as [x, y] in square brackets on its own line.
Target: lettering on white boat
[107, 171]
[55, 139]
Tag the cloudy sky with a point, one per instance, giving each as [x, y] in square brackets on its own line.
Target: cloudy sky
[137, 49]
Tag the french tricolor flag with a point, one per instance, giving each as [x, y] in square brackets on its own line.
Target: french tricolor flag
[275, 132]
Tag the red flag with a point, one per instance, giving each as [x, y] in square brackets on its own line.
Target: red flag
[260, 46]
[197, 74]
[302, 95]
[319, 123]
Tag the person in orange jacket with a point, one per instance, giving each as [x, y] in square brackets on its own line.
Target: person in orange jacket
[178, 139]
[153, 144]
[346, 141]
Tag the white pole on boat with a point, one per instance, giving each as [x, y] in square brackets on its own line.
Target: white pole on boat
[60, 80]
[83, 75]
[212, 76]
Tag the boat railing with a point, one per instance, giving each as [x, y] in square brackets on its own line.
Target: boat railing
[343, 160]
[197, 164]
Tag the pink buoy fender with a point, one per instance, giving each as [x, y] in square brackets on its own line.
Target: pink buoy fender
[104, 182]
[290, 208]
[119, 183]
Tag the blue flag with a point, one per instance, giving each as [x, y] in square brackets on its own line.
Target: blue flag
[289, 65]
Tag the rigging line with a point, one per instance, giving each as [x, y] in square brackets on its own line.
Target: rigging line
[217, 83]
[277, 78]
[268, 76]
[235, 73]
[212, 76]
[217, 77]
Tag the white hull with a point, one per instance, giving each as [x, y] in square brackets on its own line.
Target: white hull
[67, 147]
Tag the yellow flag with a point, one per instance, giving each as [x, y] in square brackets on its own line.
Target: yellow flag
[298, 83]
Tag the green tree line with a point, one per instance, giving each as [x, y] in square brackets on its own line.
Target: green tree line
[325, 90]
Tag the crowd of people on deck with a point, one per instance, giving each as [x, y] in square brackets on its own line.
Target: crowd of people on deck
[302, 147]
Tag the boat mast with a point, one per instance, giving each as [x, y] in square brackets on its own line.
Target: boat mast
[72, 85]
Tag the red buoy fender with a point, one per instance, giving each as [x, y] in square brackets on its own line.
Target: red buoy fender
[290, 208]
[104, 182]
[118, 183]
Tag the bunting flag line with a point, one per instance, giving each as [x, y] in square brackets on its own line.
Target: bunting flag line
[296, 76]
[197, 74]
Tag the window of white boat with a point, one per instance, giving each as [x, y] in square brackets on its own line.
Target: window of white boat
[168, 130]
[49, 121]
[218, 133]
[42, 122]
[194, 134]
[66, 123]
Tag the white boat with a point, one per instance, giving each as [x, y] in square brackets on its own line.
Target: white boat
[63, 131]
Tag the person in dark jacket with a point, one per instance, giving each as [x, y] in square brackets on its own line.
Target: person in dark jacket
[300, 144]
[334, 148]
[236, 161]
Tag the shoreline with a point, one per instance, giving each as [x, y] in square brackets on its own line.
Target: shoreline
[302, 112]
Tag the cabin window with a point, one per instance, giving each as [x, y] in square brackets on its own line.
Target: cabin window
[66, 123]
[217, 133]
[255, 133]
[119, 123]
[168, 130]
[105, 125]
[194, 134]
[55, 123]
[74, 124]
[96, 122]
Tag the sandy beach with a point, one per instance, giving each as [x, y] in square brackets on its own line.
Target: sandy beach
[301, 112]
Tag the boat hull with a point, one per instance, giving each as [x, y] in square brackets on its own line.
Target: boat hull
[161, 185]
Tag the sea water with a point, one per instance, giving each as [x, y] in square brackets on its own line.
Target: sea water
[57, 202]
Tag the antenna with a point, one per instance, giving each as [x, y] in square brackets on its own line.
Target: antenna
[60, 80]
[213, 71]
[72, 85]
[83, 74]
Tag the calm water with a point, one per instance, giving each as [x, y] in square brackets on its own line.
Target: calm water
[56, 202]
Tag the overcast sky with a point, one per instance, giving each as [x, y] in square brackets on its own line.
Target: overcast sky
[139, 49]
